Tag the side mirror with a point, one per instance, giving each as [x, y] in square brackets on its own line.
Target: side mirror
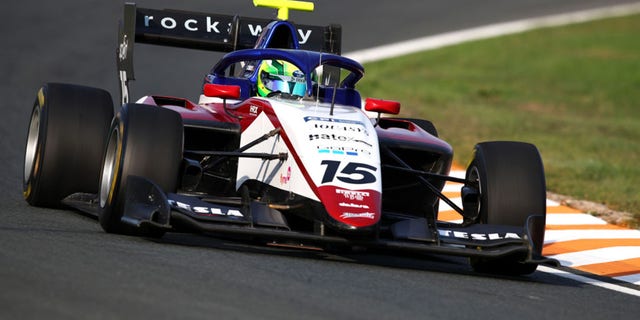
[382, 106]
[221, 91]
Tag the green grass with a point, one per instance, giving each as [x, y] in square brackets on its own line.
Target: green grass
[572, 91]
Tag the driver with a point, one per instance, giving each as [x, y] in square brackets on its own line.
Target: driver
[280, 77]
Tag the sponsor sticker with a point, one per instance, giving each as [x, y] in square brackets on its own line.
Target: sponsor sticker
[351, 215]
[206, 211]
[353, 205]
[339, 136]
[253, 110]
[207, 24]
[478, 236]
[353, 195]
[284, 178]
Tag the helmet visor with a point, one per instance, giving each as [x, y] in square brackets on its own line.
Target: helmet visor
[295, 84]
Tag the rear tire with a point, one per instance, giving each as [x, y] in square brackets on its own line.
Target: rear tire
[425, 125]
[511, 183]
[144, 141]
[65, 142]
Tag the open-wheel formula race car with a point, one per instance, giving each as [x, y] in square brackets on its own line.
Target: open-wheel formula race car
[280, 147]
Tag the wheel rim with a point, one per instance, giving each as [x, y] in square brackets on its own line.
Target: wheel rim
[33, 137]
[109, 168]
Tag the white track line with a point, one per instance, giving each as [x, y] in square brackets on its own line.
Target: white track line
[565, 219]
[590, 281]
[553, 236]
[609, 254]
[633, 278]
[494, 30]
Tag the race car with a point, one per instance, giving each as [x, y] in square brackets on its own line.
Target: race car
[280, 148]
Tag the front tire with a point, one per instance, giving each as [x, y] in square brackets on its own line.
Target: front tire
[65, 142]
[511, 183]
[144, 141]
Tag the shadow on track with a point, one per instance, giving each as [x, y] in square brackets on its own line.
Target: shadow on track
[386, 259]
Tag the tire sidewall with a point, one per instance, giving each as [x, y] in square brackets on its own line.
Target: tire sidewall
[148, 144]
[73, 121]
[423, 124]
[509, 197]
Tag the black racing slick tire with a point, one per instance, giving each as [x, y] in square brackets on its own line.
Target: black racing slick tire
[65, 142]
[144, 141]
[511, 183]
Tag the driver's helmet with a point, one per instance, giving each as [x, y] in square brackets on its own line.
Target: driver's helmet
[280, 76]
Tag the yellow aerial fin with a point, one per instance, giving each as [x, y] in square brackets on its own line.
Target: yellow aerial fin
[283, 6]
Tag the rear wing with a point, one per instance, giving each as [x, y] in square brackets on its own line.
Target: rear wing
[194, 30]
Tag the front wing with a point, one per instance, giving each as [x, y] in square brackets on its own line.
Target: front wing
[147, 206]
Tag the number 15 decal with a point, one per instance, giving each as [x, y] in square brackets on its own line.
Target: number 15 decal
[353, 172]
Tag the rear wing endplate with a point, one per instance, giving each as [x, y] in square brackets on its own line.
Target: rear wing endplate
[195, 30]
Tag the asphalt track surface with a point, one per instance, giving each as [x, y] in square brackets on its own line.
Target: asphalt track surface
[58, 264]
